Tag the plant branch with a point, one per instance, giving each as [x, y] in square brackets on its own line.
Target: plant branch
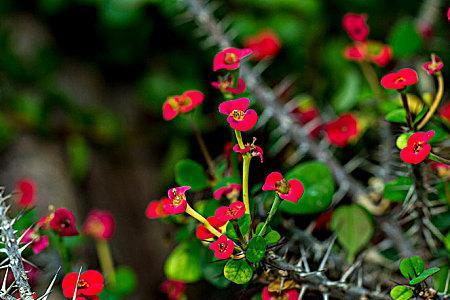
[437, 99]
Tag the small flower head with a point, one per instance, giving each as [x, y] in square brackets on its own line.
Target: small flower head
[378, 53]
[239, 116]
[291, 294]
[356, 27]
[222, 247]
[399, 80]
[173, 288]
[232, 212]
[417, 148]
[290, 190]
[202, 233]
[184, 103]
[99, 225]
[155, 209]
[231, 191]
[226, 85]
[230, 58]
[340, 131]
[176, 202]
[27, 193]
[265, 44]
[433, 66]
[88, 286]
[39, 242]
[442, 170]
[63, 222]
[355, 52]
[254, 150]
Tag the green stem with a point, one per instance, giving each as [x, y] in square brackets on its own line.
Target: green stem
[436, 101]
[438, 158]
[276, 203]
[245, 173]
[106, 261]
[201, 219]
[406, 107]
[239, 139]
[203, 148]
[64, 253]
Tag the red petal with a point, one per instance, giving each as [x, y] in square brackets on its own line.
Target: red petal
[271, 180]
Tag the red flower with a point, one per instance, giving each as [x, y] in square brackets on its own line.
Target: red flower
[399, 80]
[445, 112]
[173, 288]
[155, 209]
[239, 116]
[231, 191]
[230, 58]
[27, 193]
[417, 149]
[232, 212]
[88, 286]
[255, 151]
[379, 54]
[176, 203]
[222, 247]
[63, 222]
[433, 66]
[204, 234]
[264, 45]
[181, 104]
[226, 85]
[290, 190]
[443, 170]
[356, 26]
[291, 294]
[342, 130]
[355, 52]
[448, 14]
[100, 225]
[39, 242]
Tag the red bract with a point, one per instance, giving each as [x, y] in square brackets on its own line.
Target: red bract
[417, 149]
[39, 242]
[448, 14]
[264, 45]
[204, 234]
[63, 222]
[340, 131]
[239, 116]
[173, 288]
[231, 191]
[99, 225]
[27, 193]
[355, 52]
[88, 286]
[291, 294]
[255, 151]
[356, 27]
[230, 58]
[184, 103]
[232, 212]
[176, 203]
[155, 209]
[445, 112]
[379, 54]
[222, 247]
[433, 66]
[226, 85]
[399, 80]
[290, 190]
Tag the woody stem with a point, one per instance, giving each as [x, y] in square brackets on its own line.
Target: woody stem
[408, 111]
[276, 203]
[190, 211]
[437, 99]
[106, 261]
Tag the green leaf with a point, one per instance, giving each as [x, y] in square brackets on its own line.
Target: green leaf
[424, 275]
[272, 237]
[256, 249]
[411, 267]
[396, 116]
[397, 189]
[231, 233]
[404, 39]
[184, 263]
[78, 153]
[244, 224]
[238, 271]
[126, 281]
[347, 94]
[401, 292]
[189, 172]
[353, 228]
[318, 182]
[402, 140]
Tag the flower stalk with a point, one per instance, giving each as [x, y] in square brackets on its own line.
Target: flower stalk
[106, 261]
[406, 107]
[245, 172]
[436, 101]
[190, 211]
[276, 203]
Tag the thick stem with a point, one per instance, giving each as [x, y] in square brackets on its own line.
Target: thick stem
[106, 261]
[276, 203]
[436, 101]
[406, 107]
[190, 211]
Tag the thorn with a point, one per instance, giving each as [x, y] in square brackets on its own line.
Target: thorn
[327, 255]
[325, 296]
[350, 271]
[76, 286]
[284, 85]
[302, 292]
[50, 287]
[304, 259]
[447, 282]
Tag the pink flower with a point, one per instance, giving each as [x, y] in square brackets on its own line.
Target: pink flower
[222, 247]
[100, 225]
[355, 52]
[27, 193]
[230, 58]
[176, 203]
[379, 54]
[39, 242]
[202, 233]
[173, 288]
[356, 27]
[231, 191]
[433, 66]
[448, 14]
[155, 209]
[399, 80]
[232, 212]
[265, 44]
[239, 116]
[184, 103]
[255, 151]
[444, 112]
[417, 149]
[63, 222]
[291, 294]
[342, 130]
[226, 85]
[290, 190]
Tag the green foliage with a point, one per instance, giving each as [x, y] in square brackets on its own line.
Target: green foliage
[404, 39]
[397, 189]
[184, 263]
[78, 153]
[396, 116]
[424, 275]
[347, 95]
[238, 271]
[243, 224]
[412, 267]
[189, 172]
[271, 236]
[401, 292]
[256, 249]
[319, 188]
[126, 281]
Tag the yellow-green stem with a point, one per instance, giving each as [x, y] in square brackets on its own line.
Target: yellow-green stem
[106, 261]
[190, 211]
[437, 99]
[245, 171]
[239, 139]
[273, 210]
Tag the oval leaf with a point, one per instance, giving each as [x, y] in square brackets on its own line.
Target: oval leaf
[184, 263]
[424, 275]
[189, 172]
[401, 292]
[238, 271]
[256, 249]
[411, 267]
[396, 116]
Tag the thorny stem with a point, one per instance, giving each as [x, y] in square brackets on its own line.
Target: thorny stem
[201, 219]
[436, 101]
[273, 210]
[245, 172]
[106, 261]
[406, 107]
